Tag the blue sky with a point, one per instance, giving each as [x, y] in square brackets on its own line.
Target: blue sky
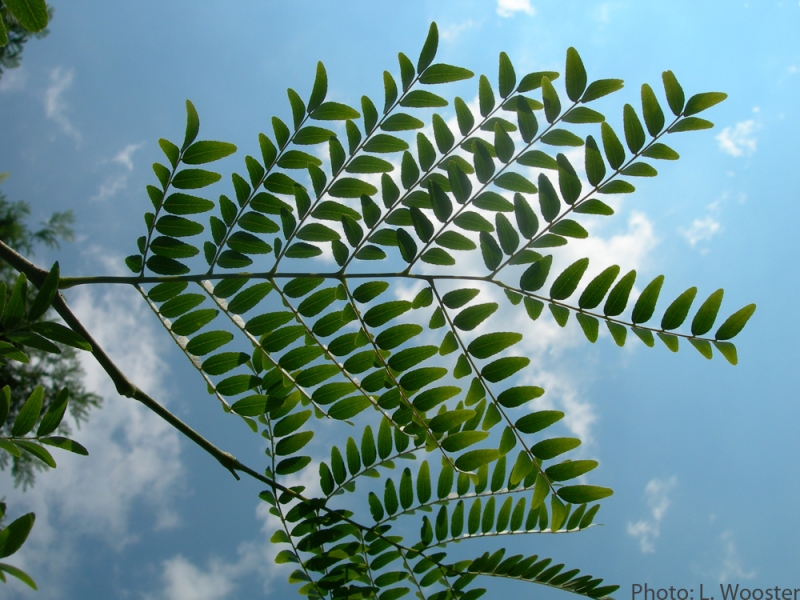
[702, 455]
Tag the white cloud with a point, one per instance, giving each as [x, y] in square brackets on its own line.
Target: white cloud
[507, 8]
[647, 531]
[134, 456]
[451, 32]
[183, 580]
[114, 184]
[55, 107]
[732, 568]
[739, 140]
[110, 187]
[13, 80]
[701, 230]
[124, 155]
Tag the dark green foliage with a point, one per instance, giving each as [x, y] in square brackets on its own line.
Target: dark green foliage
[50, 370]
[19, 20]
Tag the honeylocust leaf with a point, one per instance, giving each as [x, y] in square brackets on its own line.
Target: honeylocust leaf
[442, 73]
[574, 75]
[646, 303]
[674, 91]
[601, 87]
[552, 104]
[566, 283]
[618, 298]
[598, 288]
[428, 52]
[677, 312]
[707, 313]
[651, 110]
[735, 323]
[319, 90]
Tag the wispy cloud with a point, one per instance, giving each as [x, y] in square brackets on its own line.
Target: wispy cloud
[55, 107]
[647, 531]
[732, 568]
[117, 182]
[701, 230]
[124, 156]
[739, 140]
[704, 228]
[451, 32]
[507, 8]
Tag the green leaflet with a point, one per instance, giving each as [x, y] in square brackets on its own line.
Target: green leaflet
[735, 323]
[533, 81]
[646, 304]
[601, 87]
[552, 104]
[419, 378]
[383, 313]
[401, 122]
[551, 448]
[502, 368]
[207, 151]
[580, 494]
[537, 421]
[515, 183]
[707, 313]
[589, 325]
[598, 288]
[516, 396]
[473, 459]
[634, 133]
[442, 73]
[52, 416]
[29, 413]
[384, 143]
[450, 420]
[534, 276]
[594, 207]
[548, 199]
[700, 102]
[582, 114]
[570, 469]
[561, 137]
[566, 283]
[674, 91]
[677, 312]
[690, 124]
[423, 99]
[178, 305]
[334, 111]
[651, 110]
[458, 298]
[575, 75]
[348, 187]
[618, 298]
[472, 316]
[409, 357]
[612, 146]
[15, 533]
